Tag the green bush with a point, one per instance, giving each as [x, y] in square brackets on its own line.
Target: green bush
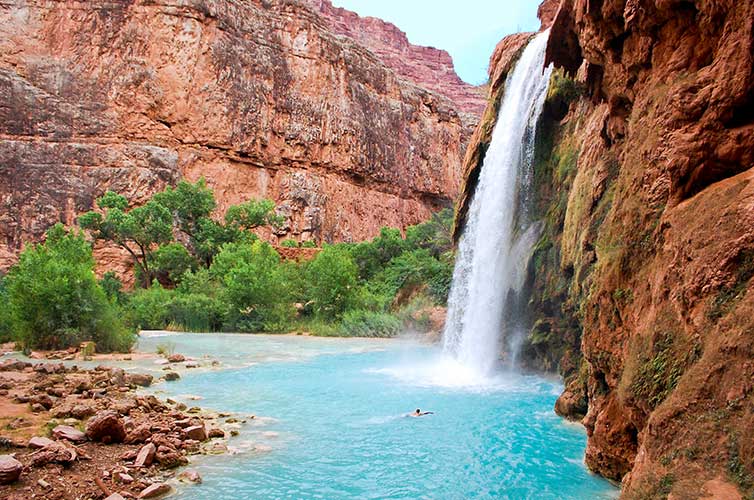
[372, 256]
[415, 268]
[289, 244]
[149, 308]
[55, 300]
[256, 290]
[360, 323]
[6, 322]
[331, 281]
[113, 287]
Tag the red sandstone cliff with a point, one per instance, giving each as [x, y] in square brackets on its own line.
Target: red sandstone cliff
[427, 67]
[644, 290]
[263, 98]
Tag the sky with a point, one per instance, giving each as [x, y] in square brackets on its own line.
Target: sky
[468, 29]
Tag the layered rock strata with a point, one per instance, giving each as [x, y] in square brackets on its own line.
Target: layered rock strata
[260, 97]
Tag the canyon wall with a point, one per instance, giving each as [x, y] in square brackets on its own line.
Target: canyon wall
[263, 98]
[642, 291]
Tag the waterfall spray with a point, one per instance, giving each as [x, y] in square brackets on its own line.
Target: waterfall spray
[499, 236]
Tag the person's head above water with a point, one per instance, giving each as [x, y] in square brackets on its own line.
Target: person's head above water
[418, 411]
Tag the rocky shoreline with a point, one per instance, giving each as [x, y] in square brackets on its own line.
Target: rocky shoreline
[72, 433]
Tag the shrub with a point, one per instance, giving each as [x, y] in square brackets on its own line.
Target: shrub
[112, 287]
[255, 288]
[6, 322]
[289, 244]
[372, 256]
[56, 301]
[362, 323]
[148, 309]
[416, 268]
[331, 280]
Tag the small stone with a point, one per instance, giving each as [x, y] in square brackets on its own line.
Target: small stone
[40, 442]
[10, 469]
[171, 376]
[155, 490]
[69, 433]
[176, 358]
[145, 456]
[124, 478]
[43, 484]
[190, 476]
[216, 432]
[37, 408]
[194, 409]
[140, 379]
[115, 496]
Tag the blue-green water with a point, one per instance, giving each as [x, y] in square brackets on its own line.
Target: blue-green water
[337, 427]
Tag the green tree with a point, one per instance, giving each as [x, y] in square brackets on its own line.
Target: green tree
[253, 214]
[139, 231]
[435, 235]
[173, 261]
[371, 256]
[56, 301]
[113, 287]
[255, 287]
[332, 282]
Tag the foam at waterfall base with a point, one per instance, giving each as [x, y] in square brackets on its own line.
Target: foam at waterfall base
[445, 371]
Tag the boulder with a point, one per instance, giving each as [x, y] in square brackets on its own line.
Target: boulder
[195, 432]
[106, 427]
[171, 376]
[140, 379]
[40, 442]
[176, 358]
[117, 376]
[155, 490]
[69, 433]
[10, 469]
[43, 400]
[145, 456]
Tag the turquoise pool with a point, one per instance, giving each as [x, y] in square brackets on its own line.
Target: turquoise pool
[336, 427]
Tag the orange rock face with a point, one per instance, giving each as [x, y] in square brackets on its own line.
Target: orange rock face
[263, 98]
[645, 273]
[426, 67]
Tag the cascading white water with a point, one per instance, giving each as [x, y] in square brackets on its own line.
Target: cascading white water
[498, 238]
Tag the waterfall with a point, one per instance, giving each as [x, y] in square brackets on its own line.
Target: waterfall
[485, 304]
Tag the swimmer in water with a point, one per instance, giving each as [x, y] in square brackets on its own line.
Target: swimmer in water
[419, 413]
